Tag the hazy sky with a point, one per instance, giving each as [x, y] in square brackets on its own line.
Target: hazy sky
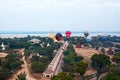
[59, 15]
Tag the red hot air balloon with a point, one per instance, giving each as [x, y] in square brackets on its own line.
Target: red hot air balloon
[58, 36]
[68, 34]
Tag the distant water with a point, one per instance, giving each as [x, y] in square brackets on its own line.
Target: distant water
[24, 34]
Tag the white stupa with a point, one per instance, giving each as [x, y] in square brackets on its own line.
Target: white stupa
[3, 46]
[48, 44]
[43, 43]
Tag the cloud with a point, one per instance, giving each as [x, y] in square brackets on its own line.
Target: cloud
[43, 4]
[57, 13]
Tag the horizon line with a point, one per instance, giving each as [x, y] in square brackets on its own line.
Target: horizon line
[59, 31]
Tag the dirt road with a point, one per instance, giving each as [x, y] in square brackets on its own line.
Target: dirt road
[24, 69]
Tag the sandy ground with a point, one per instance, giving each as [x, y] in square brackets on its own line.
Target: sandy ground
[87, 54]
[3, 54]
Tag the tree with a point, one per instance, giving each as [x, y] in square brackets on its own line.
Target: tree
[12, 57]
[62, 76]
[103, 50]
[4, 73]
[78, 58]
[34, 58]
[96, 47]
[27, 53]
[118, 46]
[67, 68]
[100, 62]
[43, 59]
[66, 52]
[12, 61]
[114, 69]
[117, 54]
[116, 59]
[0, 61]
[111, 76]
[68, 59]
[16, 64]
[81, 68]
[38, 67]
[21, 76]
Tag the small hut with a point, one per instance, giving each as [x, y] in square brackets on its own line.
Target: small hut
[78, 45]
[110, 51]
[35, 40]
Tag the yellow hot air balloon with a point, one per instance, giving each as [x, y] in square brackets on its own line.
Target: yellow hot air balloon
[52, 36]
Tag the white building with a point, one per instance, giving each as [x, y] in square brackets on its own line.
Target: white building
[3, 46]
[35, 40]
[48, 44]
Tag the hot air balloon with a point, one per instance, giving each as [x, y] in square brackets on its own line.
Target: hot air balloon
[88, 39]
[58, 36]
[52, 36]
[68, 34]
[86, 33]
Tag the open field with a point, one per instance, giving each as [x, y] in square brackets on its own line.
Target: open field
[87, 54]
[3, 54]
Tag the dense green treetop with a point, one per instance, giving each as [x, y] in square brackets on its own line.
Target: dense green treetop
[62, 76]
[38, 67]
[81, 67]
[116, 58]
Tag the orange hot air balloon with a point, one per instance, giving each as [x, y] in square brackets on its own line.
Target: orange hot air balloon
[68, 34]
[58, 36]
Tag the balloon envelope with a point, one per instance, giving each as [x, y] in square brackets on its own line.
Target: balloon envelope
[52, 36]
[68, 34]
[58, 36]
[88, 39]
[86, 33]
